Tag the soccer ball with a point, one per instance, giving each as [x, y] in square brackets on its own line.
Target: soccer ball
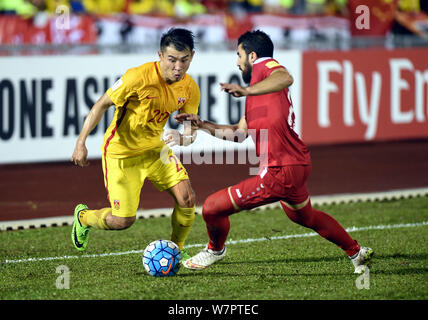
[162, 258]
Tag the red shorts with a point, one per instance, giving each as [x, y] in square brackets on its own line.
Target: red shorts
[287, 183]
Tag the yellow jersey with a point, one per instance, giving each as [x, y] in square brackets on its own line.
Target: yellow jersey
[144, 102]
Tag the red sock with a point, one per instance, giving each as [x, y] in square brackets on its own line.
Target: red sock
[216, 210]
[325, 225]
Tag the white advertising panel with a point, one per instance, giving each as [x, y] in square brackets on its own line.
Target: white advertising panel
[44, 100]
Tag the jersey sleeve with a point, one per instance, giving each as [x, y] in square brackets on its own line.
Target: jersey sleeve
[124, 87]
[192, 105]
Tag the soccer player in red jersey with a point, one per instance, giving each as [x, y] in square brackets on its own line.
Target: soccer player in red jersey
[285, 160]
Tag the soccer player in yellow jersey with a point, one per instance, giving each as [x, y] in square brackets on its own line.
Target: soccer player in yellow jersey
[133, 147]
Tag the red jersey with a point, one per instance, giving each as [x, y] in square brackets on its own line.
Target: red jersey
[270, 119]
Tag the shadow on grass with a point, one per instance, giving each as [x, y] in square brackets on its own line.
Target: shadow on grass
[285, 260]
[401, 256]
[401, 271]
[226, 267]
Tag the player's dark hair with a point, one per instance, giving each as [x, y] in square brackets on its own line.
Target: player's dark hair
[182, 39]
[256, 41]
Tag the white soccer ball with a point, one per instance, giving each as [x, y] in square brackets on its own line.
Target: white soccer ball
[162, 258]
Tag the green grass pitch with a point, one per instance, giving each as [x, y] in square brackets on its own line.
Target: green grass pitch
[278, 266]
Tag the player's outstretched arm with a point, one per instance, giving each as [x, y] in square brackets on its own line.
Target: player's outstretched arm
[234, 132]
[80, 152]
[278, 80]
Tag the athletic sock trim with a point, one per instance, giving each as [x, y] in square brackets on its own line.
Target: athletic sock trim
[296, 206]
[354, 256]
[231, 199]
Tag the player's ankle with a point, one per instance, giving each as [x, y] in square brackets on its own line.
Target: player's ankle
[216, 250]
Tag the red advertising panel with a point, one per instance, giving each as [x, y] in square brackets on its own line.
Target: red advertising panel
[364, 95]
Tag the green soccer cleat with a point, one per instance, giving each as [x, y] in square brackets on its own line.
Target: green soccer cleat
[79, 233]
[184, 255]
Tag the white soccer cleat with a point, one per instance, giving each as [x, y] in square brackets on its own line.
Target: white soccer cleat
[204, 259]
[362, 259]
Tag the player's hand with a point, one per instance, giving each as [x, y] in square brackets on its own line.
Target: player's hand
[172, 137]
[234, 89]
[80, 155]
[194, 119]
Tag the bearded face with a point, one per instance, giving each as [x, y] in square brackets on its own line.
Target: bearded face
[244, 65]
[247, 71]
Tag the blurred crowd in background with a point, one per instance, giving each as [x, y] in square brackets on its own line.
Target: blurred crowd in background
[176, 8]
[215, 22]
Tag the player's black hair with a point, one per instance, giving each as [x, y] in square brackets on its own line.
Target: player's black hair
[256, 41]
[182, 39]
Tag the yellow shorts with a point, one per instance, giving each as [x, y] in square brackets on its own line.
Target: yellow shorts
[124, 178]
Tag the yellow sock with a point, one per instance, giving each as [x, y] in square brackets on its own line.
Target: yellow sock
[181, 222]
[95, 218]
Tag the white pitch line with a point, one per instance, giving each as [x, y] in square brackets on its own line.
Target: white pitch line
[196, 245]
[166, 212]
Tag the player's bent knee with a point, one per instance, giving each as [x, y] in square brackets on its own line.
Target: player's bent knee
[302, 213]
[218, 203]
[184, 195]
[209, 207]
[189, 200]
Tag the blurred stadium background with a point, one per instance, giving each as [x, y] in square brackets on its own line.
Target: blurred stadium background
[360, 91]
